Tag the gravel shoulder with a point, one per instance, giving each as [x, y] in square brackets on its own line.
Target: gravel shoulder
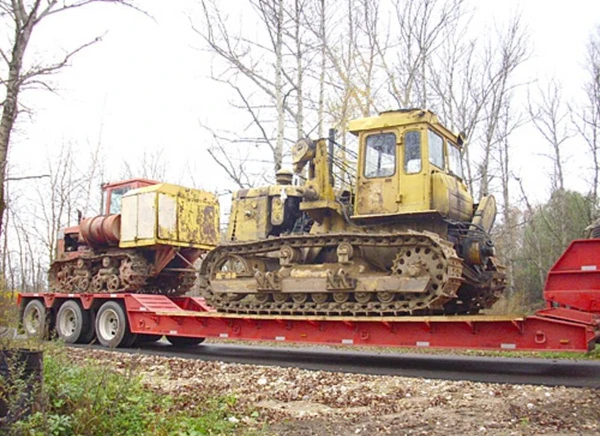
[291, 401]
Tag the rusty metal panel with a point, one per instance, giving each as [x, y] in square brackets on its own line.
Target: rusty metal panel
[450, 197]
[146, 217]
[197, 217]
[166, 214]
[250, 219]
[167, 217]
[129, 214]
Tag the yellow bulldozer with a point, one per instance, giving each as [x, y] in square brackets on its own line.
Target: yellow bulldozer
[407, 238]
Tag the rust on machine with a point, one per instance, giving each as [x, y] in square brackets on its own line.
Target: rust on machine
[101, 230]
[405, 237]
[147, 241]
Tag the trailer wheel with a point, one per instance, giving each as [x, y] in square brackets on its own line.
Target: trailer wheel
[73, 324]
[35, 320]
[182, 341]
[90, 333]
[112, 327]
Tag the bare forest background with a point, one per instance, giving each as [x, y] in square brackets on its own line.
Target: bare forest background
[295, 68]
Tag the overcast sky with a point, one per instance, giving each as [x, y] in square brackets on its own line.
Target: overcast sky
[145, 86]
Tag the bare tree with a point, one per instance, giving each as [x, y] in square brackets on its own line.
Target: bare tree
[502, 59]
[550, 117]
[509, 120]
[70, 191]
[533, 239]
[257, 72]
[237, 166]
[151, 165]
[421, 25]
[586, 118]
[322, 37]
[23, 18]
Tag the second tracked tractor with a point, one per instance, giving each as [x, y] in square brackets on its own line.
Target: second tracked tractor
[405, 237]
[146, 241]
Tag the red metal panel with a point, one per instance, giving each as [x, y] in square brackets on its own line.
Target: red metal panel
[150, 303]
[565, 314]
[533, 333]
[477, 332]
[574, 280]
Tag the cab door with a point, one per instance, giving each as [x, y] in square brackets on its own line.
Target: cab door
[413, 172]
[377, 178]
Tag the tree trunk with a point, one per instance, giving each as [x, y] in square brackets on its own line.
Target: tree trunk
[321, 108]
[278, 85]
[299, 74]
[10, 104]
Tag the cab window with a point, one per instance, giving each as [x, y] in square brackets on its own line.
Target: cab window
[412, 152]
[380, 155]
[436, 149]
[115, 199]
[455, 160]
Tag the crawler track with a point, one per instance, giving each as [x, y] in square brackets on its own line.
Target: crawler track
[435, 256]
[115, 273]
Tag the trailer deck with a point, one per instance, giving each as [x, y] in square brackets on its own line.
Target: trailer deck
[550, 329]
[570, 321]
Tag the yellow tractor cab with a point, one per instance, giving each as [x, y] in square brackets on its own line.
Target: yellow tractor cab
[409, 164]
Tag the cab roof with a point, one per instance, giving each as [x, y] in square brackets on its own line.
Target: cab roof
[397, 118]
[140, 182]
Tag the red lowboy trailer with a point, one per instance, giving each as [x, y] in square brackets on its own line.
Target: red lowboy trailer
[570, 321]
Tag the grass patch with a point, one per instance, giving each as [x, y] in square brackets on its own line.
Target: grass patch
[88, 400]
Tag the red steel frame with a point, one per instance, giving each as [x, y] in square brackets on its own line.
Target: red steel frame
[189, 316]
[570, 322]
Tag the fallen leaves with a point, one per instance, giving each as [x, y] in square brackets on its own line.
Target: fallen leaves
[295, 401]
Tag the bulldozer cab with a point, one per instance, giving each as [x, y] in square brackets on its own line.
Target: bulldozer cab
[408, 164]
[112, 193]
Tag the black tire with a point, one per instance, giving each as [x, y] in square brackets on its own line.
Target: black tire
[182, 341]
[35, 320]
[112, 326]
[73, 324]
[147, 339]
[90, 334]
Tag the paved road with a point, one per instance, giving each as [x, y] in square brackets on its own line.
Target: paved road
[548, 372]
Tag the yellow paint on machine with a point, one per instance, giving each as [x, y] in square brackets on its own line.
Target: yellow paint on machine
[170, 215]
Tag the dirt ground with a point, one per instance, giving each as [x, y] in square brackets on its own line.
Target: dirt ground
[291, 401]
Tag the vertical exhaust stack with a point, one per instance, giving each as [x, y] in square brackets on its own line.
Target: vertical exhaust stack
[284, 177]
[331, 143]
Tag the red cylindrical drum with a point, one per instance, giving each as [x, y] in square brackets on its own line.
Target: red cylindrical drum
[101, 230]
